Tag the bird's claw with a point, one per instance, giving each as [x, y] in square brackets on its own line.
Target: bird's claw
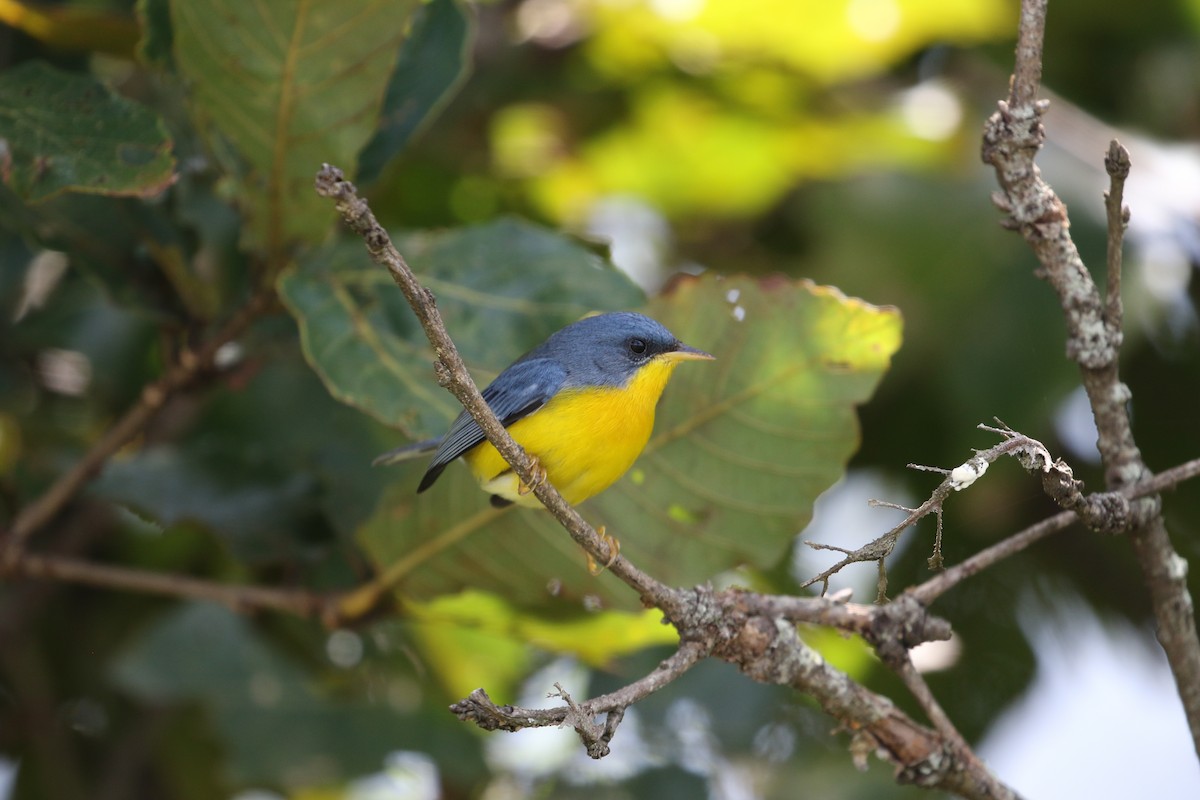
[614, 550]
[539, 477]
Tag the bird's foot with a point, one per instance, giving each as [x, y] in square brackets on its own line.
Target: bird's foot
[539, 477]
[614, 550]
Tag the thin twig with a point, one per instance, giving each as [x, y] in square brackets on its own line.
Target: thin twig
[938, 585]
[1117, 165]
[1030, 452]
[480, 709]
[920, 690]
[152, 398]
[944, 581]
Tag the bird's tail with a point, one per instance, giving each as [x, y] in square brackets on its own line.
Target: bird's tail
[405, 452]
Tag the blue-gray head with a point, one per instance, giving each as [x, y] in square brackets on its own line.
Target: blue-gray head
[607, 349]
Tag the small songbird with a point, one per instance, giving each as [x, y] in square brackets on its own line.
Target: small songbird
[581, 404]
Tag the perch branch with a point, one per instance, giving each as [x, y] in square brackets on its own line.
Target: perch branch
[1011, 139]
[755, 633]
[453, 375]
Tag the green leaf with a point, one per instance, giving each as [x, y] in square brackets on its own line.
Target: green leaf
[258, 515]
[434, 62]
[154, 18]
[252, 692]
[289, 85]
[64, 132]
[741, 449]
[501, 288]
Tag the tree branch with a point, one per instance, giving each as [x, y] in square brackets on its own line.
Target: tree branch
[938, 585]
[1116, 164]
[1011, 139]
[480, 709]
[153, 397]
[883, 626]
[766, 648]
[920, 690]
[1031, 453]
[241, 598]
[771, 651]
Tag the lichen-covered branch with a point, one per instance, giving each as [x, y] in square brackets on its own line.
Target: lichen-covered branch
[1011, 139]
[1031, 453]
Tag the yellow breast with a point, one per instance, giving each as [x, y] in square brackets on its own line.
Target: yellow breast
[585, 438]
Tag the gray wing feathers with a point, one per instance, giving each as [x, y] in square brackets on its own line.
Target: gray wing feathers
[519, 391]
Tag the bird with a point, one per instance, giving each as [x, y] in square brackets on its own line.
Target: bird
[581, 404]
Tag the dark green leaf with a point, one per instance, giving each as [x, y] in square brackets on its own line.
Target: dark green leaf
[268, 710]
[155, 44]
[65, 132]
[258, 517]
[130, 247]
[434, 62]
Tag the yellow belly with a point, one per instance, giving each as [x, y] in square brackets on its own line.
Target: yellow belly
[585, 439]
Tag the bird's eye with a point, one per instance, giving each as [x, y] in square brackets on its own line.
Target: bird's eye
[638, 346]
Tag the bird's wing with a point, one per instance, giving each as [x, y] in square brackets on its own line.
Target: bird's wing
[519, 391]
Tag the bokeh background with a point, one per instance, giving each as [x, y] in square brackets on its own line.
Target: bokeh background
[834, 140]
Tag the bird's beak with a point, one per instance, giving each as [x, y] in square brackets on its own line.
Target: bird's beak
[686, 353]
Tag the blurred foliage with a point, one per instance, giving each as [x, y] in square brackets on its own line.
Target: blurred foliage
[143, 197]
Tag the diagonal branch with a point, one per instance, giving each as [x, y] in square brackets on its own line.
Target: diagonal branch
[938, 585]
[453, 375]
[152, 398]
